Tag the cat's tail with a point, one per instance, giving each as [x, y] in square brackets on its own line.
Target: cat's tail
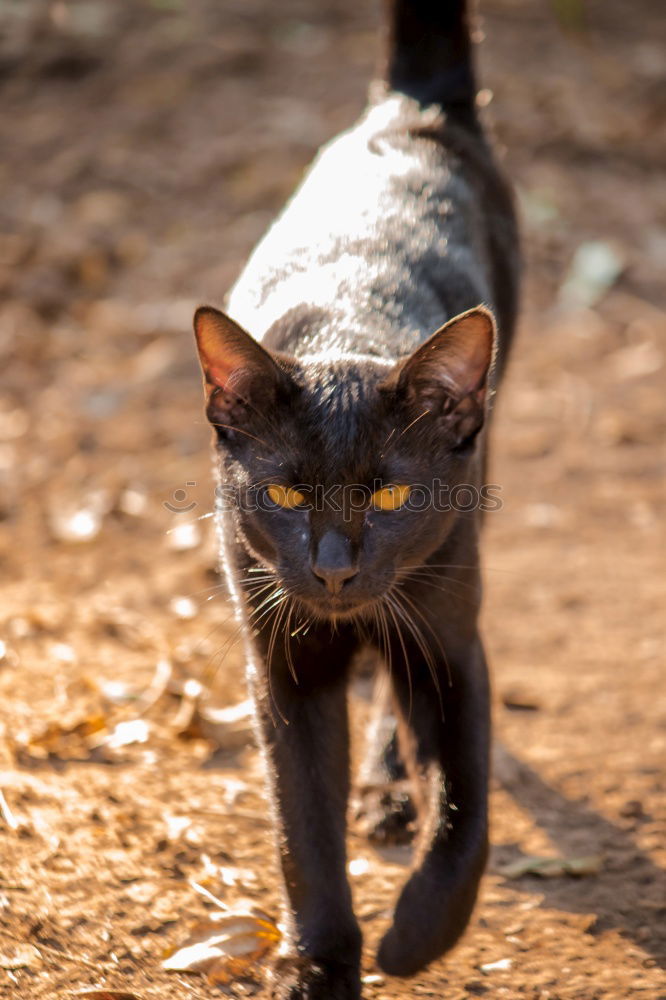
[429, 53]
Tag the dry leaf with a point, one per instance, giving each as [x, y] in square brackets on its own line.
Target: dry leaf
[106, 995]
[70, 742]
[520, 700]
[227, 875]
[176, 826]
[85, 738]
[553, 867]
[229, 728]
[232, 876]
[20, 957]
[226, 946]
[125, 733]
[157, 687]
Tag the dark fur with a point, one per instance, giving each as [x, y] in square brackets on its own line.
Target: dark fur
[402, 224]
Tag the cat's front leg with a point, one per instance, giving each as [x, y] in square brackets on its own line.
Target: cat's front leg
[305, 741]
[297, 977]
[451, 733]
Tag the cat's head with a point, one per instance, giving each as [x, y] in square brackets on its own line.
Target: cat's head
[339, 468]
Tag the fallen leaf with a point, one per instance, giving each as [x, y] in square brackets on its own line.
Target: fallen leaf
[176, 826]
[226, 946]
[20, 957]
[232, 876]
[633, 809]
[125, 733]
[520, 700]
[115, 692]
[141, 892]
[81, 740]
[69, 742]
[229, 728]
[590, 864]
[225, 875]
[594, 269]
[553, 867]
[106, 995]
[157, 687]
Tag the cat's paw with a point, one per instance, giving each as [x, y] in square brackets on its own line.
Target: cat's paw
[432, 911]
[386, 815]
[298, 978]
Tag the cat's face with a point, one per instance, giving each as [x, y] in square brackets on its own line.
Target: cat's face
[339, 471]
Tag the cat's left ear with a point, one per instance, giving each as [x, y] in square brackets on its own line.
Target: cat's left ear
[448, 375]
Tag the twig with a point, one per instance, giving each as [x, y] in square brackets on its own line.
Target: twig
[207, 895]
[157, 686]
[8, 816]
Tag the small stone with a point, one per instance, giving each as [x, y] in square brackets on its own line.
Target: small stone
[79, 521]
[63, 653]
[183, 607]
[500, 966]
[184, 537]
[358, 866]
[77, 526]
[19, 957]
[633, 809]
[133, 502]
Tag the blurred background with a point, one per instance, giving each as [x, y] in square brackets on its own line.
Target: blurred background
[146, 145]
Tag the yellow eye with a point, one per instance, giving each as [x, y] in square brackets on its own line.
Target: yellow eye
[391, 497]
[286, 496]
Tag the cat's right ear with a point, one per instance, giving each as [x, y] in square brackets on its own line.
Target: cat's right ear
[241, 379]
[448, 376]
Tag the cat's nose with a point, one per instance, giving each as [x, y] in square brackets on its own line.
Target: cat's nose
[334, 562]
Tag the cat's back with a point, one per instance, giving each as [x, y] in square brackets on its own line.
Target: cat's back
[396, 228]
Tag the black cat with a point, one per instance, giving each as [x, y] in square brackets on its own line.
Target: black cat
[380, 307]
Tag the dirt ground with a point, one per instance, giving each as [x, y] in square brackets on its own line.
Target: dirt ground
[146, 145]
